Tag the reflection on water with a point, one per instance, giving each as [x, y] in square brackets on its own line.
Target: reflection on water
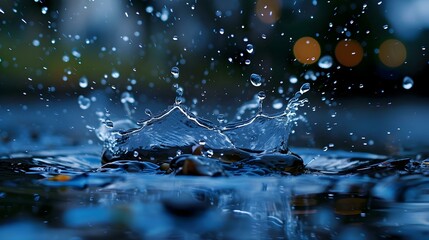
[68, 194]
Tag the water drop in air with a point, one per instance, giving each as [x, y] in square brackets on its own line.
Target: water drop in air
[304, 88]
[407, 83]
[175, 72]
[255, 79]
[261, 95]
[84, 103]
[210, 153]
[277, 104]
[66, 58]
[83, 82]
[115, 74]
[293, 79]
[36, 43]
[44, 10]
[249, 48]
[126, 97]
[325, 62]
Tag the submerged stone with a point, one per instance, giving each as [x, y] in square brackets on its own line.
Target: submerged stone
[284, 163]
[197, 166]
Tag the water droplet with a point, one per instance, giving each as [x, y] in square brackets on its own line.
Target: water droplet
[148, 112]
[210, 153]
[175, 38]
[310, 75]
[221, 31]
[149, 9]
[178, 100]
[84, 103]
[256, 79]
[202, 142]
[136, 154]
[179, 91]
[115, 74]
[175, 72]
[249, 48]
[126, 97]
[407, 83]
[277, 104]
[325, 62]
[83, 82]
[221, 118]
[66, 58]
[247, 62]
[325, 148]
[261, 95]
[304, 88]
[293, 79]
[108, 123]
[44, 10]
[36, 43]
[76, 54]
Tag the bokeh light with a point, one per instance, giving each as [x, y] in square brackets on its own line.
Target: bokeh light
[268, 11]
[307, 50]
[349, 52]
[392, 53]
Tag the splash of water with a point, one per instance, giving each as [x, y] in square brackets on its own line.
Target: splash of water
[178, 129]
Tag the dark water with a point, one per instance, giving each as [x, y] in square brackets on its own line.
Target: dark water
[159, 182]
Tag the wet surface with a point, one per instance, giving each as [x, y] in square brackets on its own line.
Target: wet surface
[68, 193]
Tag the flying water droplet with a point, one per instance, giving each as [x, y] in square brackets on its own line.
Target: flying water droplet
[407, 83]
[221, 119]
[136, 154]
[83, 82]
[293, 79]
[115, 74]
[36, 43]
[261, 95]
[179, 91]
[249, 48]
[325, 62]
[126, 97]
[256, 79]
[277, 104]
[221, 31]
[304, 88]
[108, 123]
[175, 72]
[210, 153]
[66, 58]
[44, 10]
[148, 112]
[84, 103]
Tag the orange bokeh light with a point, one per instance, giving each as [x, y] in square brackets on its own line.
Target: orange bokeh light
[349, 52]
[392, 53]
[307, 50]
[268, 11]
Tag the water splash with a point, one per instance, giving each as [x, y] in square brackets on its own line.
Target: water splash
[178, 129]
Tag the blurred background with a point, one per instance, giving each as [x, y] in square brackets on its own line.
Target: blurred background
[65, 63]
